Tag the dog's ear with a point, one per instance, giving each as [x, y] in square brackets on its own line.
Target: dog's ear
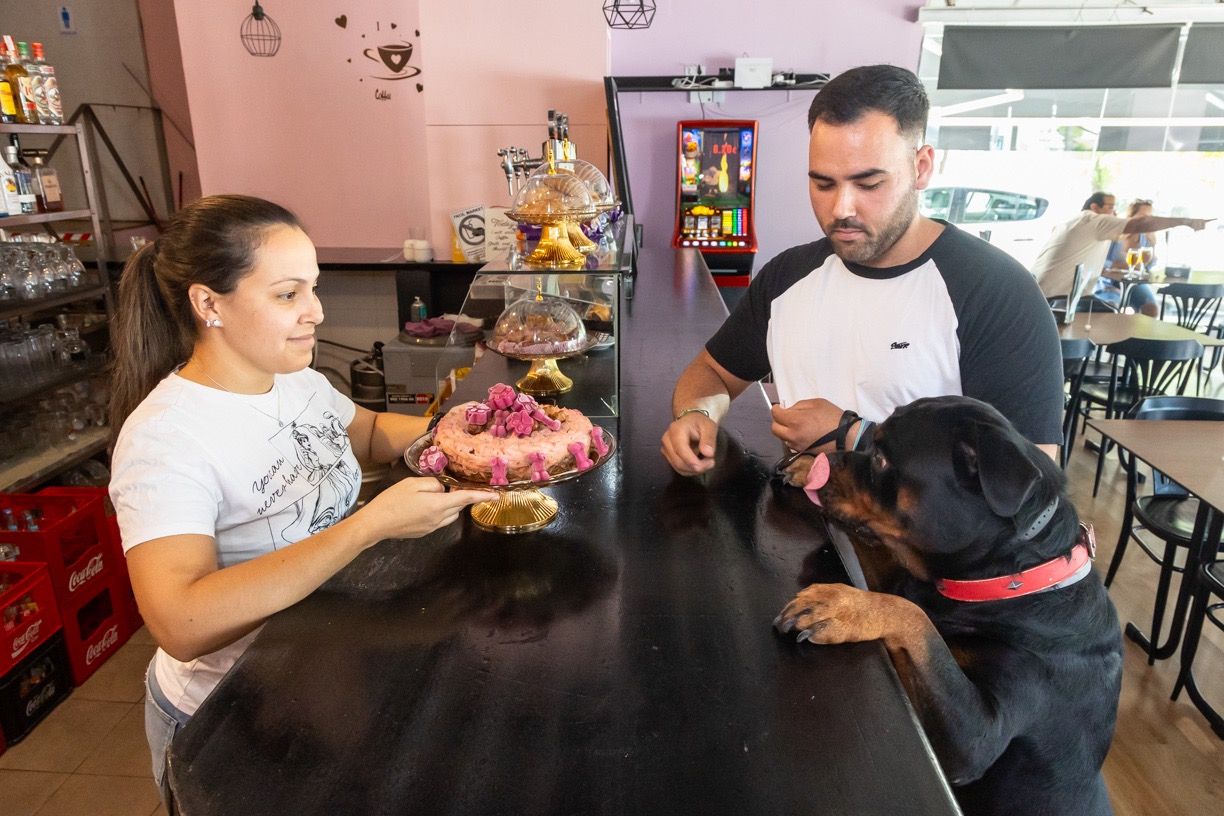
[1002, 468]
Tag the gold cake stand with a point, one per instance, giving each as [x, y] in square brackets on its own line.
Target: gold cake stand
[545, 378]
[520, 506]
[559, 231]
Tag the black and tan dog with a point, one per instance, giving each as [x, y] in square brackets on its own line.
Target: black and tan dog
[1000, 630]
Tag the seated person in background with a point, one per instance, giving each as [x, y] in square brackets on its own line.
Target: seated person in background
[890, 306]
[1085, 240]
[1141, 297]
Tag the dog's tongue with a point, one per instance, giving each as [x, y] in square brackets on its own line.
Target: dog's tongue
[817, 476]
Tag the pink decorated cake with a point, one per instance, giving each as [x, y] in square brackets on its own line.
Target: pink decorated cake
[510, 437]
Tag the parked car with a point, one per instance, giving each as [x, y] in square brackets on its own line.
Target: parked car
[1017, 223]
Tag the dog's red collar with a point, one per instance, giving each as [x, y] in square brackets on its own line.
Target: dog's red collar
[1060, 571]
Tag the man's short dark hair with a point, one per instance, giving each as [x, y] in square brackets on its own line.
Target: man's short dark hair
[884, 88]
[1096, 199]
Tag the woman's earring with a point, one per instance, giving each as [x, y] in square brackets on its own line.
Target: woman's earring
[213, 323]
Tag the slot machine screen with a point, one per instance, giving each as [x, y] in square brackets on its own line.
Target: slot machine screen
[715, 186]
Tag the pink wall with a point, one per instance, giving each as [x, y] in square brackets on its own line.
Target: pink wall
[806, 36]
[304, 128]
[169, 88]
[496, 70]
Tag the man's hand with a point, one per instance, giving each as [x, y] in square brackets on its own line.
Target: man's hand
[688, 444]
[1198, 224]
[806, 421]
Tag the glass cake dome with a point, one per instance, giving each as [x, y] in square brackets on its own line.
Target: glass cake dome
[538, 326]
[597, 183]
[553, 196]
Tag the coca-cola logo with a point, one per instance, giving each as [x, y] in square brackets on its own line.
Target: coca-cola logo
[76, 579]
[108, 640]
[22, 641]
[38, 700]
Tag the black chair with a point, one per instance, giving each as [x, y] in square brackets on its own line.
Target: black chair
[1210, 583]
[1196, 303]
[1075, 354]
[1169, 512]
[1215, 352]
[1140, 368]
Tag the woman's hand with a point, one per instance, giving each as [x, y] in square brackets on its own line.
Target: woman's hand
[416, 507]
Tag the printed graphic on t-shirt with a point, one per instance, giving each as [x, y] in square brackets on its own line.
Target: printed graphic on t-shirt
[311, 472]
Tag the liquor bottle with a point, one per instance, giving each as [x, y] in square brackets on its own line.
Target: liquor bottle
[19, 82]
[55, 105]
[24, 180]
[37, 92]
[47, 195]
[417, 311]
[8, 105]
[8, 190]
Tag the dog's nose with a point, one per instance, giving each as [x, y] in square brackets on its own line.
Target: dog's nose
[817, 476]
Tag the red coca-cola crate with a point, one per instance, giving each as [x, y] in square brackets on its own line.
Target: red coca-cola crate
[69, 536]
[28, 614]
[112, 529]
[95, 630]
[33, 688]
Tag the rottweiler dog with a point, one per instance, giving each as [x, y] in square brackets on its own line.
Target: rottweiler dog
[999, 628]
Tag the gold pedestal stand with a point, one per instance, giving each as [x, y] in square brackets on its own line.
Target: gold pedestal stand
[578, 238]
[520, 507]
[544, 379]
[515, 511]
[555, 249]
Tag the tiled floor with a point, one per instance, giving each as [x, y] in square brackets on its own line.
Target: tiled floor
[89, 756]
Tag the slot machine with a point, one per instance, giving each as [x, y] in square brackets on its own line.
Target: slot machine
[715, 193]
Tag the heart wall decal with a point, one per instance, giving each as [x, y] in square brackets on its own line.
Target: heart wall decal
[342, 21]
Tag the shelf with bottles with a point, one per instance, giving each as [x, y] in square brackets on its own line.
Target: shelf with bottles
[22, 473]
[15, 308]
[7, 221]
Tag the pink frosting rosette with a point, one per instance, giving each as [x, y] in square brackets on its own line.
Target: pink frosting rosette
[433, 460]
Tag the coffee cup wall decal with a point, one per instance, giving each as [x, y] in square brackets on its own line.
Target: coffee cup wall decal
[395, 57]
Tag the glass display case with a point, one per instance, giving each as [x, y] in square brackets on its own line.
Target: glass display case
[551, 332]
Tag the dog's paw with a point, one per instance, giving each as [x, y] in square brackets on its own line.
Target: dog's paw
[796, 473]
[835, 613]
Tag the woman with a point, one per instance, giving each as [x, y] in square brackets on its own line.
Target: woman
[235, 465]
[1141, 297]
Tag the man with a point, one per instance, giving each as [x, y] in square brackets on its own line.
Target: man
[1085, 240]
[889, 307]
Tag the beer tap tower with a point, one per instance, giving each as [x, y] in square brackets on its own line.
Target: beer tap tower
[517, 163]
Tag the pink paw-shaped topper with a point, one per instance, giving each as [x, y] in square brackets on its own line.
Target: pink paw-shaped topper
[478, 414]
[498, 466]
[498, 429]
[597, 439]
[432, 460]
[501, 396]
[581, 460]
[538, 472]
[544, 419]
[520, 423]
[524, 402]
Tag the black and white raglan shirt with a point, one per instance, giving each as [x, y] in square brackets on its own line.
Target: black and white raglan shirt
[963, 318]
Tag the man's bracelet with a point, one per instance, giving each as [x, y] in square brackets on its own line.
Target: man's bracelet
[687, 411]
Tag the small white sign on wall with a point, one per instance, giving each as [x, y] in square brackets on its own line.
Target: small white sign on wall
[66, 20]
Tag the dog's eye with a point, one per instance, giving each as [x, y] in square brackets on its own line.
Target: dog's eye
[879, 462]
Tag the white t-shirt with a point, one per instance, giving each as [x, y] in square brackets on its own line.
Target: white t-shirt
[1082, 240]
[197, 460]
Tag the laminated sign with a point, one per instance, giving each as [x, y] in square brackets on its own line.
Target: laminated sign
[469, 229]
[499, 234]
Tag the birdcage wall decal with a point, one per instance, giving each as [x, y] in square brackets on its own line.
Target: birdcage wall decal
[260, 34]
[629, 13]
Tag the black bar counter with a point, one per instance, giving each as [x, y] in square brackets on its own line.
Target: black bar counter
[619, 661]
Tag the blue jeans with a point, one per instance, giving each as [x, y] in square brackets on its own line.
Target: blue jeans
[1110, 292]
[162, 722]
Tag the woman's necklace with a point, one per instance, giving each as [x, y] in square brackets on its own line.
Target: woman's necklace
[253, 407]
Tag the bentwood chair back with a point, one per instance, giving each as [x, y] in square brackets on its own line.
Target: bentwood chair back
[1140, 368]
[1075, 354]
[1197, 304]
[1169, 511]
